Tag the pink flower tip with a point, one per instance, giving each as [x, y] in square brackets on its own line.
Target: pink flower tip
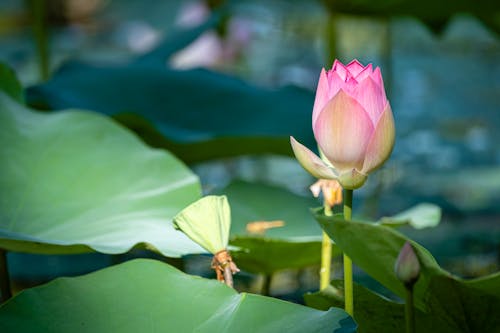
[407, 266]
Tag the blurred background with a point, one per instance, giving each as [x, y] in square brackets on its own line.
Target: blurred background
[441, 69]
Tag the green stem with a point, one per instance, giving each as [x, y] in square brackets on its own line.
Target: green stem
[5, 290]
[388, 57]
[409, 311]
[38, 12]
[266, 285]
[348, 294]
[326, 255]
[331, 38]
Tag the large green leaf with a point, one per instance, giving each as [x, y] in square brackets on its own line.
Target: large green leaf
[267, 255]
[76, 181]
[196, 114]
[467, 306]
[295, 245]
[264, 202]
[149, 296]
[375, 313]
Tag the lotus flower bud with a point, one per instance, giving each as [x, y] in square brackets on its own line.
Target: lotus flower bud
[352, 123]
[407, 266]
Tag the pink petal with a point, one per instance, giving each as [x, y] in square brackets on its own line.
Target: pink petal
[350, 85]
[340, 69]
[367, 71]
[335, 83]
[377, 77]
[310, 162]
[342, 131]
[380, 146]
[322, 95]
[355, 67]
[371, 97]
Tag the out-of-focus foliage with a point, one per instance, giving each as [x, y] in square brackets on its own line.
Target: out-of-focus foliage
[424, 215]
[196, 114]
[434, 14]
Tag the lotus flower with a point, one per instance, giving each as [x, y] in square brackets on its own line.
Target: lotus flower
[353, 125]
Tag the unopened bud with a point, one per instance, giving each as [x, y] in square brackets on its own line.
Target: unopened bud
[407, 266]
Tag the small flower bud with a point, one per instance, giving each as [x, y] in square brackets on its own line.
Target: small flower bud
[407, 266]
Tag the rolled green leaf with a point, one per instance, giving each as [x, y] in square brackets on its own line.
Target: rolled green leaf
[207, 222]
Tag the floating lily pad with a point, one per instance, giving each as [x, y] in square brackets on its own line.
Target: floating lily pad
[424, 215]
[196, 114]
[149, 296]
[76, 181]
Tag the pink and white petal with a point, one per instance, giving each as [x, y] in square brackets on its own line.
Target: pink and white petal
[377, 78]
[355, 67]
[380, 146]
[325, 159]
[367, 71]
[335, 83]
[371, 97]
[322, 96]
[342, 131]
[350, 85]
[340, 69]
[310, 162]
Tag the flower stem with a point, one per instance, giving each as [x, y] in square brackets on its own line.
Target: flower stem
[5, 290]
[331, 37]
[40, 30]
[409, 311]
[266, 285]
[348, 294]
[326, 255]
[228, 276]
